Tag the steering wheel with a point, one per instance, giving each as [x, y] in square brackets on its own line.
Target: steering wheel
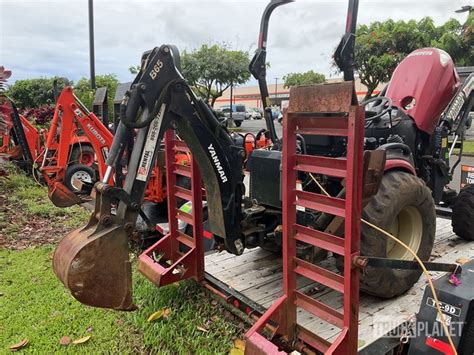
[382, 101]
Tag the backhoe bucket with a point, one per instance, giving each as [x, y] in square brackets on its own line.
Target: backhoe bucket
[61, 196]
[92, 262]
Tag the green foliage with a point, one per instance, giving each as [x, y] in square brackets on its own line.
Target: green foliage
[212, 69]
[134, 69]
[33, 201]
[191, 307]
[31, 93]
[84, 92]
[380, 46]
[468, 147]
[37, 307]
[307, 78]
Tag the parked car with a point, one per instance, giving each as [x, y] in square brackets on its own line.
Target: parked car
[256, 113]
[249, 114]
[276, 113]
[238, 113]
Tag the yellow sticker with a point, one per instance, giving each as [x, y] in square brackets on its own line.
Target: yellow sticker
[444, 142]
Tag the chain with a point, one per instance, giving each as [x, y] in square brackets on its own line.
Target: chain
[405, 337]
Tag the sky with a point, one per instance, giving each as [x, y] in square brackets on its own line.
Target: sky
[50, 37]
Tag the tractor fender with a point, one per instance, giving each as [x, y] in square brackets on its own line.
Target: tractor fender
[80, 140]
[399, 164]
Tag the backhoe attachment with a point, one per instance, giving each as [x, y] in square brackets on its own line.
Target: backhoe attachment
[92, 262]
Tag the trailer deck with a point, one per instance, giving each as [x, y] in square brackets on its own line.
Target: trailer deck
[257, 276]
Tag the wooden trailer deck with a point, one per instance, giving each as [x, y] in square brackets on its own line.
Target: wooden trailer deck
[257, 275]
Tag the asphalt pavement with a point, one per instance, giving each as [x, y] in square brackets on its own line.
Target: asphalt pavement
[254, 126]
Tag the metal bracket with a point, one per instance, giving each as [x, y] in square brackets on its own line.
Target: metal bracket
[363, 261]
[121, 195]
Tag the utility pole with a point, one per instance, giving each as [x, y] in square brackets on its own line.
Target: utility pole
[91, 43]
[276, 90]
[231, 120]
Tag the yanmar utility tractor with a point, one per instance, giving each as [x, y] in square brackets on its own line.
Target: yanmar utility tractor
[406, 144]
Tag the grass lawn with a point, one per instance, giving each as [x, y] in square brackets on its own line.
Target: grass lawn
[468, 147]
[34, 305]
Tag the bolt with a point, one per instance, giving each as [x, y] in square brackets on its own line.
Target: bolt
[143, 87]
[128, 227]
[134, 205]
[166, 49]
[359, 262]
[105, 220]
[239, 247]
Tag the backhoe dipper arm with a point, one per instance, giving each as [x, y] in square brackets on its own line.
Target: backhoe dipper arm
[165, 101]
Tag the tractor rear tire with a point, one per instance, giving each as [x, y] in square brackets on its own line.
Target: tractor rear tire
[81, 172]
[462, 219]
[467, 343]
[404, 207]
[83, 154]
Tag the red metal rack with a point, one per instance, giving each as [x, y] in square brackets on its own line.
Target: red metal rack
[325, 110]
[316, 110]
[177, 256]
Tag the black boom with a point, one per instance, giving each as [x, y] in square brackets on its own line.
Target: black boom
[160, 99]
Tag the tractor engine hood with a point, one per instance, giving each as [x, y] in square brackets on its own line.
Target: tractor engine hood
[422, 85]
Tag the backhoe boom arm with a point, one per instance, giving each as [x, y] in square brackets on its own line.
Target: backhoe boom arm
[166, 101]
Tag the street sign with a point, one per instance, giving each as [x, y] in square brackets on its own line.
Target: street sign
[467, 175]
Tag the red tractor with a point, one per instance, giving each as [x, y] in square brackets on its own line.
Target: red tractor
[76, 150]
[418, 119]
[10, 145]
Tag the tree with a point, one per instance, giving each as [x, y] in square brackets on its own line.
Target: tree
[307, 78]
[134, 69]
[212, 69]
[84, 92]
[380, 46]
[30, 93]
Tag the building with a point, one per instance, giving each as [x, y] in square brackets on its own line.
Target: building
[250, 95]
